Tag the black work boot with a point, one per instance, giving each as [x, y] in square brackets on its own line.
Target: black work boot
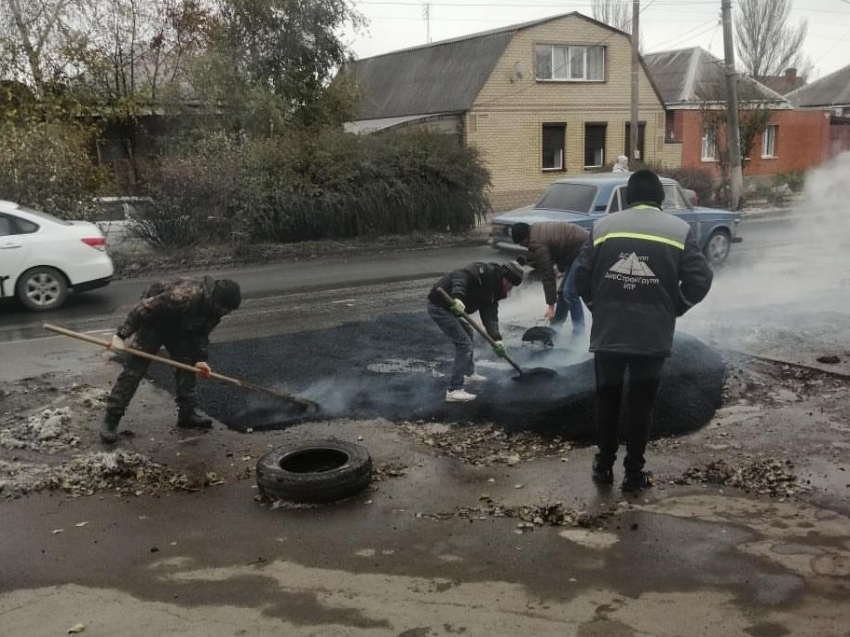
[188, 418]
[602, 474]
[109, 429]
[638, 481]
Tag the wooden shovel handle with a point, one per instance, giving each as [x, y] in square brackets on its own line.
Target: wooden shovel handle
[309, 404]
[474, 325]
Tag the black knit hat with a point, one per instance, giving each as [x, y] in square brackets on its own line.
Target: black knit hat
[227, 294]
[520, 232]
[644, 187]
[513, 272]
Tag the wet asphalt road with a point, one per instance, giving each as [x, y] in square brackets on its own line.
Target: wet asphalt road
[399, 560]
[336, 287]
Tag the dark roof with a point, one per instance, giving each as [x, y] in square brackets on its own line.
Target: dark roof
[694, 76]
[832, 90]
[440, 77]
[783, 84]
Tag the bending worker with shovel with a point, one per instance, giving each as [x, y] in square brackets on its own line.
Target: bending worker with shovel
[180, 315]
[478, 287]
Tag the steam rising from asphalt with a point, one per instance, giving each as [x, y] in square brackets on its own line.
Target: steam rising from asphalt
[790, 287]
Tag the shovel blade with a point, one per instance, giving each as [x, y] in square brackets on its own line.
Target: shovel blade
[535, 374]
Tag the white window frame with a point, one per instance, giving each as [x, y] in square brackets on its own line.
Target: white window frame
[570, 48]
[768, 141]
[709, 139]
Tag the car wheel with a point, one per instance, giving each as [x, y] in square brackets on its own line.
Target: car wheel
[717, 248]
[315, 471]
[42, 289]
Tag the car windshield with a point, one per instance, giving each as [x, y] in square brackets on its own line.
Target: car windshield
[44, 215]
[572, 197]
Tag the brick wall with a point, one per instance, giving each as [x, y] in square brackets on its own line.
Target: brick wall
[506, 121]
[802, 142]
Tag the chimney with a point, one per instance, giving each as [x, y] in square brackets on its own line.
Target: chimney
[791, 74]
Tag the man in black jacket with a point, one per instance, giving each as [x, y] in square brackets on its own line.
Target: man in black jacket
[639, 270]
[179, 315]
[478, 287]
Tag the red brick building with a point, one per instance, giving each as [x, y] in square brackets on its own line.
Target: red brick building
[691, 83]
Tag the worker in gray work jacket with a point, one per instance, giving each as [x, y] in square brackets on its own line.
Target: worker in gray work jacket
[639, 270]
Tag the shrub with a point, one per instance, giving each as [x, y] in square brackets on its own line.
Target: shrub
[302, 186]
[795, 179]
[48, 167]
[700, 180]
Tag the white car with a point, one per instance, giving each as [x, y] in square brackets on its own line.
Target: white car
[43, 257]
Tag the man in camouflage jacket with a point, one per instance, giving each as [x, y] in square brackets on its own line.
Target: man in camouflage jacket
[178, 315]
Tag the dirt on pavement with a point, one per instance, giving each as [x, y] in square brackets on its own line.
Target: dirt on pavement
[746, 528]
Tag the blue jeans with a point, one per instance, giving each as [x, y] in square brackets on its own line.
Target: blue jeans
[460, 334]
[569, 301]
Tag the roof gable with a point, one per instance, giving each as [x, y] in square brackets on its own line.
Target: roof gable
[832, 90]
[695, 76]
[442, 77]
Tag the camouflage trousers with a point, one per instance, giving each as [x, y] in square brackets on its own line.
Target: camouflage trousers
[149, 339]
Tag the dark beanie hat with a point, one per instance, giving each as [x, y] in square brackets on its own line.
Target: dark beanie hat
[227, 294]
[644, 187]
[520, 232]
[513, 272]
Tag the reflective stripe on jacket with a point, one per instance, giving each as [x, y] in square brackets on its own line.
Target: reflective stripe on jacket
[639, 270]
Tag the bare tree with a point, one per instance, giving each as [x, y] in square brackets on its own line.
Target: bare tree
[614, 13]
[35, 35]
[766, 44]
[138, 48]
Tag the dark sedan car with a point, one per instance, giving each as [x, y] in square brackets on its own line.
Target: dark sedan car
[583, 200]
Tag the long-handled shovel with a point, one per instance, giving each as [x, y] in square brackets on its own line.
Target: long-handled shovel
[523, 375]
[305, 405]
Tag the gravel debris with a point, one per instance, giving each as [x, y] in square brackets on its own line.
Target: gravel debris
[530, 516]
[388, 470]
[49, 431]
[761, 476]
[483, 445]
[120, 471]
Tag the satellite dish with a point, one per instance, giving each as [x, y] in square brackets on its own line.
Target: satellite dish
[519, 71]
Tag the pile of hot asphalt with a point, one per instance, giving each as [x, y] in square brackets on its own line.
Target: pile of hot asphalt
[397, 367]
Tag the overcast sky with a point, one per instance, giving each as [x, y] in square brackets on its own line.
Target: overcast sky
[665, 24]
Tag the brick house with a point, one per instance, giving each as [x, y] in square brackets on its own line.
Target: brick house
[692, 82]
[539, 100]
[829, 95]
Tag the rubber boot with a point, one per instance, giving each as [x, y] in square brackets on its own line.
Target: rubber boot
[109, 429]
[188, 418]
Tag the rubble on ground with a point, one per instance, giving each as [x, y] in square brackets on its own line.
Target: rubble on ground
[759, 476]
[483, 445]
[529, 516]
[120, 471]
[47, 431]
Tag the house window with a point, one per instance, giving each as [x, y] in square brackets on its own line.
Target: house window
[553, 146]
[709, 143]
[556, 62]
[768, 142]
[594, 145]
[641, 133]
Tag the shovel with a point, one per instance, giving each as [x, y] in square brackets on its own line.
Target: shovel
[523, 375]
[304, 405]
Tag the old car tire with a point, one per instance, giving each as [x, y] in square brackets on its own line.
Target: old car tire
[314, 471]
[717, 247]
[42, 289]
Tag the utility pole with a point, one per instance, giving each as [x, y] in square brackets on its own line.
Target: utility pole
[428, 23]
[633, 126]
[733, 132]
